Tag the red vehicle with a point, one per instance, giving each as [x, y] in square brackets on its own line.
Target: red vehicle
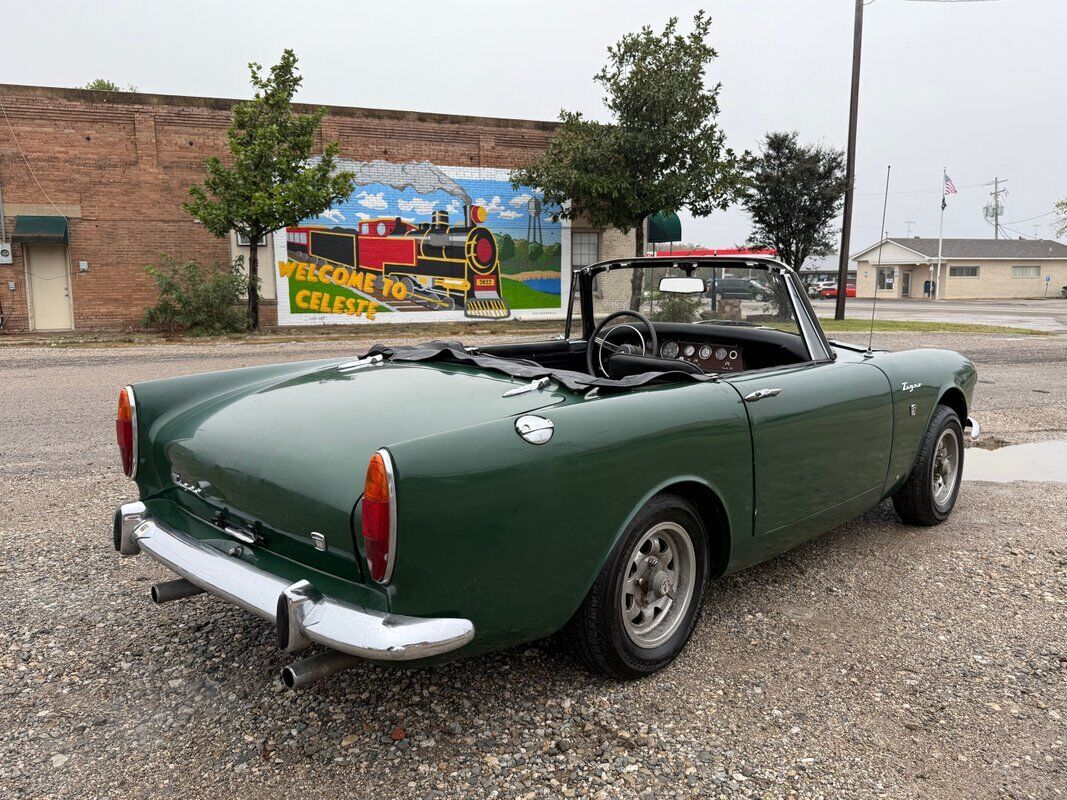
[831, 291]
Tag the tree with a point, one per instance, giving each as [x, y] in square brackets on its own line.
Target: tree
[663, 150]
[535, 252]
[105, 85]
[794, 192]
[1061, 217]
[272, 181]
[507, 247]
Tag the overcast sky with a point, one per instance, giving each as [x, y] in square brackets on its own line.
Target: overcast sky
[977, 87]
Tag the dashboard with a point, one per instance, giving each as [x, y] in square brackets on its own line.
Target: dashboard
[708, 356]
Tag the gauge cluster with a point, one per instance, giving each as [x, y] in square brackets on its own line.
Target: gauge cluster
[708, 356]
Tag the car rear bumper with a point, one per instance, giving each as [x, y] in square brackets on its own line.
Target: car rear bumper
[301, 614]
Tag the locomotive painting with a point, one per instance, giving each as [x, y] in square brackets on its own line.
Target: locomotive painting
[412, 238]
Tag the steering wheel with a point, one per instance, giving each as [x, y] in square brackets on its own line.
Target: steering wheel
[598, 342]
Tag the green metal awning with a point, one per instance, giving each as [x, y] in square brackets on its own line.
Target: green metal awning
[40, 230]
[664, 227]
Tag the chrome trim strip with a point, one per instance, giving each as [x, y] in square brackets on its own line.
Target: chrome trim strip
[362, 632]
[809, 327]
[976, 429]
[133, 426]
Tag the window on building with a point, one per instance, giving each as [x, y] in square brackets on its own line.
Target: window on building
[885, 277]
[585, 248]
[963, 272]
[1026, 272]
[242, 241]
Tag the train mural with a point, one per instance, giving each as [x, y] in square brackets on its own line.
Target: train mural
[417, 237]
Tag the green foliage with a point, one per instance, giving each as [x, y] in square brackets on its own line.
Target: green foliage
[535, 252]
[507, 247]
[271, 181]
[553, 254]
[197, 299]
[522, 250]
[677, 307]
[662, 152]
[105, 85]
[794, 193]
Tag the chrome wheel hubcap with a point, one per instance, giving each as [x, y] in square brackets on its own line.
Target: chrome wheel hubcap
[945, 468]
[658, 585]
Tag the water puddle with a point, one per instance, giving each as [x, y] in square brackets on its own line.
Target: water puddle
[1034, 461]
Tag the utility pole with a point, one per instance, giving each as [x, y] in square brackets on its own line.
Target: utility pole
[850, 166]
[995, 210]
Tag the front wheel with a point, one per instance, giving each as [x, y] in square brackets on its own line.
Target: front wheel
[645, 602]
[929, 494]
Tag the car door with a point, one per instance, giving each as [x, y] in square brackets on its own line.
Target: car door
[821, 437]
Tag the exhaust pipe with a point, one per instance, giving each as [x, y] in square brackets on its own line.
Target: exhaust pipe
[174, 590]
[315, 668]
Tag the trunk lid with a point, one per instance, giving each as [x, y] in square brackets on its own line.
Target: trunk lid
[284, 461]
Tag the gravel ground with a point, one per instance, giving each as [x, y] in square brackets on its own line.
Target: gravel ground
[877, 661]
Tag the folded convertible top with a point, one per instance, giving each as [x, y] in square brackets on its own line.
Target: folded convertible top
[457, 353]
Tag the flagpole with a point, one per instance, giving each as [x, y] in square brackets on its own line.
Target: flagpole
[940, 236]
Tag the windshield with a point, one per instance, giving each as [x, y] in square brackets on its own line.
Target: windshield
[738, 295]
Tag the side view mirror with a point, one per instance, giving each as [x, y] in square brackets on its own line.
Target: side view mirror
[681, 285]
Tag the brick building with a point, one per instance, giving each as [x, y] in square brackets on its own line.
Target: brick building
[93, 182]
[971, 269]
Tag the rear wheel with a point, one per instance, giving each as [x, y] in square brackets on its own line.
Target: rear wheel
[644, 604]
[929, 494]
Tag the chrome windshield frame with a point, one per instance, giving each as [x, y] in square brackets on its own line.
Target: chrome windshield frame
[810, 330]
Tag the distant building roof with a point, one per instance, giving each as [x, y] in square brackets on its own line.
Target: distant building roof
[1023, 249]
[720, 251]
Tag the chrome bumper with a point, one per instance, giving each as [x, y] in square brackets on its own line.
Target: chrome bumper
[301, 614]
[976, 429]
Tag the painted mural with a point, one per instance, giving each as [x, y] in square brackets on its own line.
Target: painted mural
[429, 241]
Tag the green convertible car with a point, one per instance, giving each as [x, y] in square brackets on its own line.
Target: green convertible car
[436, 501]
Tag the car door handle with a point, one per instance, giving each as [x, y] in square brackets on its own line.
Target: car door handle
[759, 394]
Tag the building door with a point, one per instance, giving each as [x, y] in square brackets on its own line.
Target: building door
[905, 284]
[49, 279]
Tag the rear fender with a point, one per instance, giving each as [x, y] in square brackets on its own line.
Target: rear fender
[921, 380]
[512, 535]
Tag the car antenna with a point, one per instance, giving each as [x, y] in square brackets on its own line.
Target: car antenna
[877, 267]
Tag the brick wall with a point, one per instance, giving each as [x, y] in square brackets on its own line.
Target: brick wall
[119, 166]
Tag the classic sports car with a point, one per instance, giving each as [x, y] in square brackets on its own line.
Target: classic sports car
[436, 501]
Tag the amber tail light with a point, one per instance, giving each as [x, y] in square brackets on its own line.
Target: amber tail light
[379, 517]
[126, 431]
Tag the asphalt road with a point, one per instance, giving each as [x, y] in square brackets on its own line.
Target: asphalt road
[877, 661]
[1041, 315]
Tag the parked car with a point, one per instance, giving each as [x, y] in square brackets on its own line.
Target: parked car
[436, 501]
[815, 287]
[831, 291]
[738, 289]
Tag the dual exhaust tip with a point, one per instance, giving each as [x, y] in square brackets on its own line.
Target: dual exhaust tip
[296, 675]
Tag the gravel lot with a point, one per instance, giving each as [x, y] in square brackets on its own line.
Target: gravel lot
[877, 661]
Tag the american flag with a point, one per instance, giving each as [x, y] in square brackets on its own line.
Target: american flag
[950, 187]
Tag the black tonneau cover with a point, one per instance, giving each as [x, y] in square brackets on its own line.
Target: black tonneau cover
[457, 353]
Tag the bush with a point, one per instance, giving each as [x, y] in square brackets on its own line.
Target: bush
[197, 299]
[677, 307]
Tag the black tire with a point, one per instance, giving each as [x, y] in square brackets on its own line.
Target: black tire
[597, 632]
[915, 501]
